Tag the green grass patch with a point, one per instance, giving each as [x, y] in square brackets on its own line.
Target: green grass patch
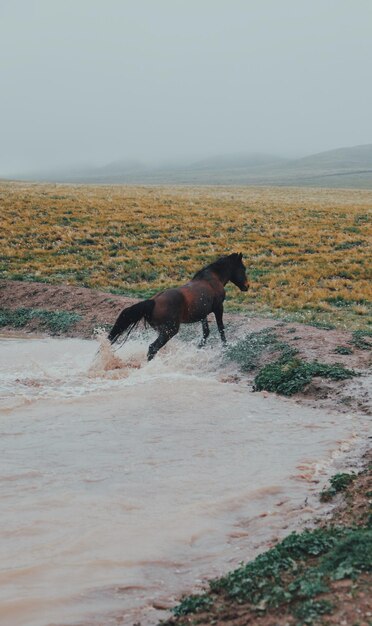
[55, 321]
[287, 374]
[193, 604]
[248, 351]
[338, 483]
[341, 302]
[290, 375]
[347, 245]
[311, 610]
[343, 350]
[292, 574]
[322, 325]
[359, 339]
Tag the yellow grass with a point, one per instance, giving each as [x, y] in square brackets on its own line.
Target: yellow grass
[306, 250]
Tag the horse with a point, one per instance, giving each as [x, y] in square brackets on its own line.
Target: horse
[192, 302]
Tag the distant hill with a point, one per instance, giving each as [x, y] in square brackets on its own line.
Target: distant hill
[344, 167]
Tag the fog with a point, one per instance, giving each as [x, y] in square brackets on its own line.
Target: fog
[89, 82]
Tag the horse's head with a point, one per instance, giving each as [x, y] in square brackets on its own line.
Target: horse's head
[238, 275]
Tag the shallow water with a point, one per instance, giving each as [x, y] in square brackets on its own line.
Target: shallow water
[124, 482]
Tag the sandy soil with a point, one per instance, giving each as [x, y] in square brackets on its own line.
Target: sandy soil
[98, 308]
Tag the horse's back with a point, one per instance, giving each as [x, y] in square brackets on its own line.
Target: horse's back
[187, 304]
[169, 307]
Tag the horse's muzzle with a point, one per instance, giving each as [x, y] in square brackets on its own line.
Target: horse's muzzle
[244, 287]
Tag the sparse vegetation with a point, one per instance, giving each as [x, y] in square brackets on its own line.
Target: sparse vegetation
[360, 340]
[338, 483]
[343, 350]
[299, 578]
[55, 321]
[248, 352]
[290, 375]
[285, 374]
[292, 574]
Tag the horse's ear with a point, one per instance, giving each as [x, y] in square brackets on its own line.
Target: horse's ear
[240, 255]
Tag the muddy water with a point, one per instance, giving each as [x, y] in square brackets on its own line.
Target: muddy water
[124, 483]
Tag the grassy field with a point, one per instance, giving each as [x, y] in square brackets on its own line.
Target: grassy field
[306, 250]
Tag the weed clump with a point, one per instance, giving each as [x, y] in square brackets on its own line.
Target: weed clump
[193, 604]
[293, 573]
[343, 350]
[310, 610]
[54, 321]
[247, 352]
[289, 376]
[338, 483]
[359, 339]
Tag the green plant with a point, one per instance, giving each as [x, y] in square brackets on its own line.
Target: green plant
[55, 321]
[290, 375]
[343, 350]
[347, 245]
[310, 610]
[359, 339]
[350, 556]
[338, 483]
[247, 351]
[292, 574]
[193, 604]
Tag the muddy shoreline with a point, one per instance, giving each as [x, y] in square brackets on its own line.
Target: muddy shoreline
[94, 309]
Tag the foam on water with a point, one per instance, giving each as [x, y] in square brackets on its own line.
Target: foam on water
[123, 482]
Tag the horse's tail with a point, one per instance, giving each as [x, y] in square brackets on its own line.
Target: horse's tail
[130, 317]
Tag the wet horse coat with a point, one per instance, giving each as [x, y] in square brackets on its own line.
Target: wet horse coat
[190, 303]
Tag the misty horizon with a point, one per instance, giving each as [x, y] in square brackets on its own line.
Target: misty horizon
[169, 162]
[88, 84]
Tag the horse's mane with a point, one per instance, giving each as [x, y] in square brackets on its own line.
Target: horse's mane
[216, 266]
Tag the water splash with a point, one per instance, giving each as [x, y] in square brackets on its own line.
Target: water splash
[106, 362]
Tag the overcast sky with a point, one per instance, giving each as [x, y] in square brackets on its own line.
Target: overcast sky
[92, 81]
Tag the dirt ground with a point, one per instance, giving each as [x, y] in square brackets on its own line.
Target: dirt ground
[98, 308]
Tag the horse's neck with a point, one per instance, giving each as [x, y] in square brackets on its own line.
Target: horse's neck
[215, 271]
[223, 274]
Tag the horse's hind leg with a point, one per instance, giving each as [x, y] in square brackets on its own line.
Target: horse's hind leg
[164, 336]
[219, 319]
[205, 327]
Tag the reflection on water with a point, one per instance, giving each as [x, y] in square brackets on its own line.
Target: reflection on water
[123, 482]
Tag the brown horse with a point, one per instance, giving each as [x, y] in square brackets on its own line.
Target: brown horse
[192, 302]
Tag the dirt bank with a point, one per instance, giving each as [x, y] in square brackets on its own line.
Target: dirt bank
[95, 308]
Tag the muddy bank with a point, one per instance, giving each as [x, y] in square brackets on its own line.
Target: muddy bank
[94, 308]
[80, 310]
[326, 581]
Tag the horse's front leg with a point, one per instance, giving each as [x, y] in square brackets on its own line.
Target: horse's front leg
[166, 333]
[218, 313]
[205, 327]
